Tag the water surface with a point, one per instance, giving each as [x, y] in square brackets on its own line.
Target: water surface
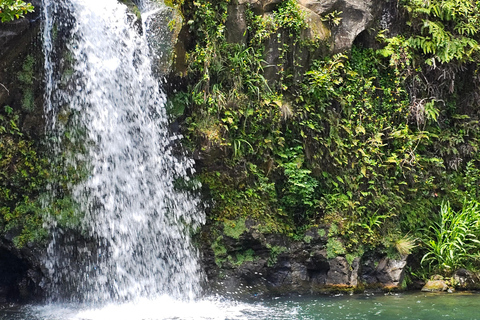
[366, 306]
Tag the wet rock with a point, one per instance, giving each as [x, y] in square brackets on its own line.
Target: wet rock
[278, 264]
[435, 286]
[163, 26]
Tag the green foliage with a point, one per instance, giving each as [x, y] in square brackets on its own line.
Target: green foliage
[27, 178]
[307, 239]
[234, 229]
[22, 176]
[321, 232]
[453, 241]
[14, 9]
[275, 251]
[446, 30]
[242, 257]
[219, 251]
[298, 192]
[335, 248]
[290, 17]
[26, 78]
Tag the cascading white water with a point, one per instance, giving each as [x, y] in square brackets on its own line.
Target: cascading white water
[138, 222]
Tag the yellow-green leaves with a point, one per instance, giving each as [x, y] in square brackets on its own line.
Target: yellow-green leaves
[14, 9]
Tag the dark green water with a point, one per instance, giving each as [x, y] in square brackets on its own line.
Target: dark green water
[460, 306]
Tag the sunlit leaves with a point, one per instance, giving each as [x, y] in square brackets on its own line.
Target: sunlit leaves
[14, 9]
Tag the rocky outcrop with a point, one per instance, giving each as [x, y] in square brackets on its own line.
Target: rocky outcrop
[163, 26]
[21, 77]
[356, 16]
[249, 262]
[336, 24]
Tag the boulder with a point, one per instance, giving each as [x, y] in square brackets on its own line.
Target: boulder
[435, 286]
[466, 280]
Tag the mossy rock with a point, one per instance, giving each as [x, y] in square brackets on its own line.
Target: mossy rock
[435, 286]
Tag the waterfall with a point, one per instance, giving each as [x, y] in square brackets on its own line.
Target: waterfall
[101, 96]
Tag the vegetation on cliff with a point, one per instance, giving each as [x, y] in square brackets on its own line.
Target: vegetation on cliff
[33, 189]
[374, 142]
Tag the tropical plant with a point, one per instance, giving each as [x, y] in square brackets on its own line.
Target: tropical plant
[453, 241]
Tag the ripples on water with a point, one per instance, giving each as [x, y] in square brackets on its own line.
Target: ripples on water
[463, 306]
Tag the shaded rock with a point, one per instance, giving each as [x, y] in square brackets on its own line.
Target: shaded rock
[383, 271]
[466, 280]
[236, 25]
[435, 286]
[21, 273]
[390, 272]
[341, 273]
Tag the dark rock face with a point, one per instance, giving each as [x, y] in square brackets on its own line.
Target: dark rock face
[21, 77]
[279, 265]
[21, 275]
[356, 16]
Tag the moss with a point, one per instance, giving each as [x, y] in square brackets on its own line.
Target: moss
[321, 232]
[335, 248]
[242, 257]
[333, 231]
[307, 239]
[26, 78]
[28, 100]
[235, 228]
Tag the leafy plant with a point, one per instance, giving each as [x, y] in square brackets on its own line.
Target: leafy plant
[453, 241]
[14, 9]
